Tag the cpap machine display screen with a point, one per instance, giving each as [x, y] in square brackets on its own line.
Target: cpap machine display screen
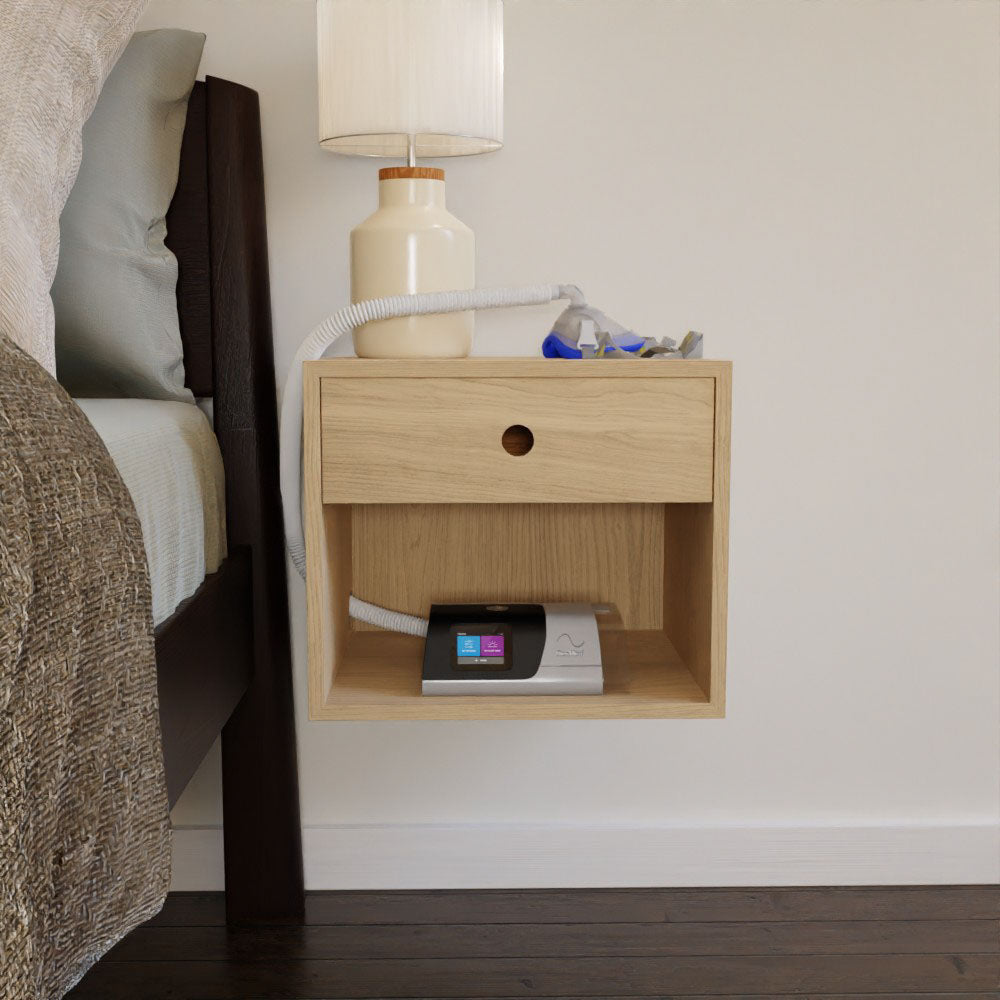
[481, 647]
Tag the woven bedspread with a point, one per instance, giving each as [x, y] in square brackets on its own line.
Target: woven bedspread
[84, 832]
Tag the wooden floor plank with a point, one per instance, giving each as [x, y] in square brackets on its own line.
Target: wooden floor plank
[404, 941]
[673, 944]
[613, 905]
[191, 909]
[908, 995]
[652, 905]
[422, 978]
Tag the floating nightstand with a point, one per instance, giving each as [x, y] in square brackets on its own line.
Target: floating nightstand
[515, 479]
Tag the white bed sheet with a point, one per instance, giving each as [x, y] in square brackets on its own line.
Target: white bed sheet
[169, 458]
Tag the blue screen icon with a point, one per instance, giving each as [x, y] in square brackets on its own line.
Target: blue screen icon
[467, 645]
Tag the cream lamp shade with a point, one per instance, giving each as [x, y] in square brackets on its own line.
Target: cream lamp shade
[407, 78]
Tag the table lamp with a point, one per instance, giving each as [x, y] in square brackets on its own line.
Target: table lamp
[410, 79]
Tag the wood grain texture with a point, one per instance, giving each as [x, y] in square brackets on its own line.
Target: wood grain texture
[488, 368]
[720, 540]
[439, 440]
[260, 784]
[204, 662]
[935, 942]
[401, 431]
[216, 229]
[411, 173]
[572, 940]
[328, 564]
[506, 977]
[771, 905]
[514, 906]
[379, 678]
[407, 556]
[696, 567]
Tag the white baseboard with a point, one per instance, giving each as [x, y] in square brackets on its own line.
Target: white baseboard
[502, 856]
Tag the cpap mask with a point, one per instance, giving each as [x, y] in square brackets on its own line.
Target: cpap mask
[571, 333]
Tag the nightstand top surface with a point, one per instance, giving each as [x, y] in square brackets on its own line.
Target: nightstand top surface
[508, 367]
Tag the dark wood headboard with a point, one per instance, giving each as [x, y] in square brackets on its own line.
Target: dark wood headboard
[217, 230]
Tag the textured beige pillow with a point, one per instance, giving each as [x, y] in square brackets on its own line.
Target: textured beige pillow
[54, 57]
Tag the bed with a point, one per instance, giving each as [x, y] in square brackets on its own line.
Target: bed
[223, 656]
[120, 598]
[105, 713]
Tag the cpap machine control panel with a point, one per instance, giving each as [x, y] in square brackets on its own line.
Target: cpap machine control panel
[506, 649]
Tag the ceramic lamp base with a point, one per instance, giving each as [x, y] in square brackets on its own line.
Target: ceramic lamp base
[412, 244]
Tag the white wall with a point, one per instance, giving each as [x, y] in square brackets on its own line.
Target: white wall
[815, 187]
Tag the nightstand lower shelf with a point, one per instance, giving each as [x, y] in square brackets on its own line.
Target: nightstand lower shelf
[379, 678]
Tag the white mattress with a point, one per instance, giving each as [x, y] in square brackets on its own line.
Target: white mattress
[170, 461]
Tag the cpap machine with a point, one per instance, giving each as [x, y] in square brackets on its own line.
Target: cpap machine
[510, 649]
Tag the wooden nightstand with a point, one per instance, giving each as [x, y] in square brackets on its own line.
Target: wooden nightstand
[519, 480]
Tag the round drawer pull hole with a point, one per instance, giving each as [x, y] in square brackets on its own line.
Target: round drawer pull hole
[517, 440]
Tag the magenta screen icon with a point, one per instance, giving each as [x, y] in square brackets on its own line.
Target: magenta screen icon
[491, 645]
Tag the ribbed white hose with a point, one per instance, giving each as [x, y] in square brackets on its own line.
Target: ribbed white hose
[394, 621]
[313, 348]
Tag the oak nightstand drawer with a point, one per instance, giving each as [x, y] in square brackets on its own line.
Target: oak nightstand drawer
[518, 440]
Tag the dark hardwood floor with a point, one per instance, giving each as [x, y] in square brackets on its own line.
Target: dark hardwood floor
[929, 942]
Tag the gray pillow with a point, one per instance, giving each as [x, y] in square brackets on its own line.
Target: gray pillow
[117, 332]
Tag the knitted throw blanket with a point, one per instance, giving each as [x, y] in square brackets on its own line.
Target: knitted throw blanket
[84, 832]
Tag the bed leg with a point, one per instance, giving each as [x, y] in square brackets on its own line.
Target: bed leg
[261, 827]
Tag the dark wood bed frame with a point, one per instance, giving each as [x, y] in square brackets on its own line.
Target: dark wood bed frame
[224, 658]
